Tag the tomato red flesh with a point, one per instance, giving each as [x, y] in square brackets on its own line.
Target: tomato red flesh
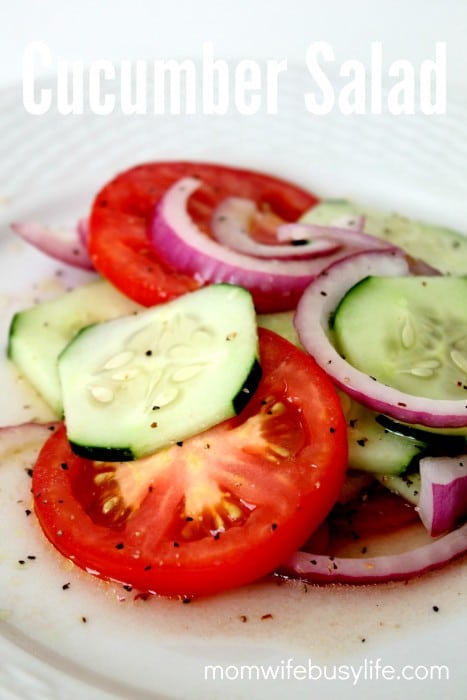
[118, 241]
[220, 510]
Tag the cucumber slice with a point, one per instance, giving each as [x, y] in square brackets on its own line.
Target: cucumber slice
[409, 333]
[134, 385]
[443, 248]
[373, 448]
[39, 334]
[407, 486]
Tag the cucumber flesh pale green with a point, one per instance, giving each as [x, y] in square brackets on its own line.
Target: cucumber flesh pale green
[138, 384]
[409, 333]
[39, 334]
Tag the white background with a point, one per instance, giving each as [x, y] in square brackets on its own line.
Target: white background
[115, 29]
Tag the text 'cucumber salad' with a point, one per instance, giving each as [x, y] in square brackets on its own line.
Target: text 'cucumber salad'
[256, 383]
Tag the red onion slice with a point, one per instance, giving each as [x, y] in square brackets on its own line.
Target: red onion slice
[24, 437]
[443, 493]
[183, 246]
[62, 244]
[82, 228]
[344, 236]
[311, 321]
[231, 221]
[390, 567]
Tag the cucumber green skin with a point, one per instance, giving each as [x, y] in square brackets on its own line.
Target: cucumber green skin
[443, 248]
[438, 443]
[39, 334]
[123, 411]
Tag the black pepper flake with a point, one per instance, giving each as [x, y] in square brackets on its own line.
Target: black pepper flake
[21, 561]
[31, 557]
[267, 616]
[323, 294]
[28, 511]
[156, 408]
[127, 587]
[216, 536]
[180, 443]
[332, 430]
[29, 472]
[364, 550]
[148, 353]
[120, 545]
[66, 586]
[176, 544]
[189, 519]
[185, 601]
[274, 526]
[64, 466]
[313, 561]
[243, 618]
[362, 442]
[435, 608]
[84, 619]
[148, 567]
[363, 640]
[154, 424]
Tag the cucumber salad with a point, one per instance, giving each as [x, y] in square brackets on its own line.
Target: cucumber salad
[257, 382]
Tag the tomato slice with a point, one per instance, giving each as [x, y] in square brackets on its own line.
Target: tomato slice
[220, 510]
[118, 242]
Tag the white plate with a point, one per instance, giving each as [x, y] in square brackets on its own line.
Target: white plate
[154, 649]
